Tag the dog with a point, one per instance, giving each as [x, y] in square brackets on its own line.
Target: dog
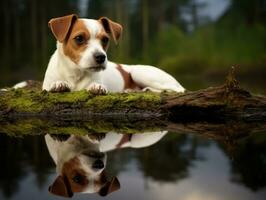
[81, 160]
[80, 60]
[80, 167]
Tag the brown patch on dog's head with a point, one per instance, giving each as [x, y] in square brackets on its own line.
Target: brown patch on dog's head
[73, 33]
[74, 179]
[109, 187]
[112, 28]
[75, 175]
[61, 187]
[61, 26]
[104, 38]
[77, 41]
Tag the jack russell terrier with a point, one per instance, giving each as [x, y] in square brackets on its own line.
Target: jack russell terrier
[80, 60]
[81, 160]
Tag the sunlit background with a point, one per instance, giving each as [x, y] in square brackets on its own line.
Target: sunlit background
[195, 40]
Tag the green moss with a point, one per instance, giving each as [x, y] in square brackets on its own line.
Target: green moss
[28, 101]
[22, 128]
[120, 101]
[102, 102]
[25, 105]
[34, 126]
[124, 127]
[71, 130]
[68, 97]
[22, 101]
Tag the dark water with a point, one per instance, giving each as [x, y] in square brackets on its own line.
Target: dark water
[155, 165]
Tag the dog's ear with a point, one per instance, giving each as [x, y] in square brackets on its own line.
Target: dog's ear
[112, 28]
[61, 187]
[60, 26]
[109, 187]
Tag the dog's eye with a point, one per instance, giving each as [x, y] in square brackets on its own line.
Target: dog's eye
[105, 40]
[78, 178]
[79, 39]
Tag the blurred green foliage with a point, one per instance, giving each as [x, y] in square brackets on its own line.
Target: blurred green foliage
[210, 47]
[172, 34]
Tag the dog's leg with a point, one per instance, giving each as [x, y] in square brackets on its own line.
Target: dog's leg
[154, 79]
[149, 89]
[130, 90]
[97, 88]
[60, 86]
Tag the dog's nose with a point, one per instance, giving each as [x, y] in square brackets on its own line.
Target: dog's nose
[99, 57]
[98, 164]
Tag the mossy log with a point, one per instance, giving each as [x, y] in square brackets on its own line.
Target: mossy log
[230, 134]
[223, 103]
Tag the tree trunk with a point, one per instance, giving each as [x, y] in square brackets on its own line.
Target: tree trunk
[145, 26]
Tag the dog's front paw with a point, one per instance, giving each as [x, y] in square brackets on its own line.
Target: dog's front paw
[60, 86]
[97, 89]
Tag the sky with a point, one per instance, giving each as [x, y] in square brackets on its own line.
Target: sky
[213, 9]
[210, 11]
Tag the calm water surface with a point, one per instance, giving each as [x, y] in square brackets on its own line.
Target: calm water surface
[154, 165]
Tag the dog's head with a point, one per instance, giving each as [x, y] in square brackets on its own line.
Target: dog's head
[85, 41]
[81, 169]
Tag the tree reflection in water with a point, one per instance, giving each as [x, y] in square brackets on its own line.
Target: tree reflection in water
[248, 163]
[169, 160]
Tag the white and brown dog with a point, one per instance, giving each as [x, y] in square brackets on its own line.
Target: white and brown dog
[80, 167]
[80, 60]
[81, 160]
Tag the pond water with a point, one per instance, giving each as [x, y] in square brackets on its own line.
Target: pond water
[152, 165]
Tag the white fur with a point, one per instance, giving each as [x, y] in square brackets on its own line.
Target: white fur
[77, 76]
[148, 77]
[94, 44]
[62, 70]
[16, 86]
[141, 140]
[20, 85]
[77, 146]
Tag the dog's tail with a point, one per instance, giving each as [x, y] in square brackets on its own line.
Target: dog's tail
[20, 85]
[29, 84]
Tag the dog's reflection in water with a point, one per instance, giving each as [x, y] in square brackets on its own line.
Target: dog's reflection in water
[81, 160]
